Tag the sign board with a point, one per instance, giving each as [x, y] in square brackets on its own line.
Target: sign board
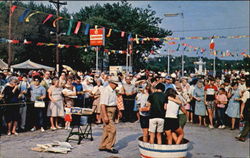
[115, 69]
[97, 37]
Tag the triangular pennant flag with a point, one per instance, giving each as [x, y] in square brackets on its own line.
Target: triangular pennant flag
[26, 42]
[28, 17]
[109, 33]
[54, 22]
[47, 18]
[78, 25]
[25, 13]
[70, 27]
[178, 48]
[129, 37]
[122, 34]
[86, 32]
[12, 9]
[136, 39]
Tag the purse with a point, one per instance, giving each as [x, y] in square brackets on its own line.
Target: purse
[39, 104]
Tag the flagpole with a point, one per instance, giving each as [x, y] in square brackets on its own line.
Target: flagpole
[9, 45]
[168, 63]
[96, 62]
[214, 71]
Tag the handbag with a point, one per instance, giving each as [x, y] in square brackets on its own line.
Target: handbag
[39, 104]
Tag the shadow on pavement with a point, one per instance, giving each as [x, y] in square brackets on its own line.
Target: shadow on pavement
[122, 143]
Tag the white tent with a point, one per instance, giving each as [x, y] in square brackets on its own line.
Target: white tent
[31, 65]
[3, 65]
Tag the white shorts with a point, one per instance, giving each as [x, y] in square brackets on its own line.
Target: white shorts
[156, 124]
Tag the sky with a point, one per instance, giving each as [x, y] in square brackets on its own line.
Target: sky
[201, 18]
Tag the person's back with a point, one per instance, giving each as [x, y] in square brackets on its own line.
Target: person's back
[157, 100]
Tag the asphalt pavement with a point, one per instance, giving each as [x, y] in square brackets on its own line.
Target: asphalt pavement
[204, 143]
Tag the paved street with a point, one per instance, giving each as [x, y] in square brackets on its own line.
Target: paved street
[204, 143]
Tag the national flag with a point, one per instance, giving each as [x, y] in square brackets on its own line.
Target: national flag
[212, 45]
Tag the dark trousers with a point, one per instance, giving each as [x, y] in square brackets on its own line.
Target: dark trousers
[129, 114]
[39, 115]
[88, 102]
[220, 116]
[246, 129]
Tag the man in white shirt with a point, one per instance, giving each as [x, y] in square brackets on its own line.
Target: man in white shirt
[108, 101]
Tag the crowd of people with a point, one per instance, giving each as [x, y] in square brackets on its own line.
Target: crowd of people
[163, 103]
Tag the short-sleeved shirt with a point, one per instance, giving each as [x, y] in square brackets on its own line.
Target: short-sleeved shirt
[108, 96]
[129, 88]
[221, 98]
[157, 100]
[245, 96]
[210, 91]
[79, 88]
[37, 91]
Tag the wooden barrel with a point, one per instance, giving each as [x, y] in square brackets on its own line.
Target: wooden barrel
[163, 151]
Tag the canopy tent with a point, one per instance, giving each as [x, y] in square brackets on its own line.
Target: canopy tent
[3, 65]
[32, 66]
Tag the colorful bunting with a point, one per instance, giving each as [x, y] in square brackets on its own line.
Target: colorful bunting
[57, 19]
[25, 13]
[86, 32]
[28, 17]
[109, 33]
[70, 27]
[12, 9]
[78, 25]
[47, 18]
[122, 34]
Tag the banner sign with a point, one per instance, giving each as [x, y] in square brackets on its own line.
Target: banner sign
[97, 37]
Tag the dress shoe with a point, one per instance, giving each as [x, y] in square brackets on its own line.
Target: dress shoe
[113, 151]
[240, 139]
[102, 149]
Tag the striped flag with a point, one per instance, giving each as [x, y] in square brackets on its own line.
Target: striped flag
[212, 45]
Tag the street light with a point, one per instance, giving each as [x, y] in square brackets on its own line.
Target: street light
[182, 55]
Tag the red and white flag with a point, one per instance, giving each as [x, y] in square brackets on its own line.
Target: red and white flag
[212, 45]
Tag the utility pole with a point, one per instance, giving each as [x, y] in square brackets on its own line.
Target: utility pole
[10, 36]
[57, 4]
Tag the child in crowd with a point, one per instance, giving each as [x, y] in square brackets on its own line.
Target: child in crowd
[210, 91]
[67, 117]
[221, 101]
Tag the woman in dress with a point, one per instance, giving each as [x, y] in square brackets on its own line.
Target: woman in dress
[55, 108]
[96, 103]
[233, 109]
[11, 94]
[200, 108]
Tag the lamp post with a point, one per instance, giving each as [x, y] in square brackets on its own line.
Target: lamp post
[182, 55]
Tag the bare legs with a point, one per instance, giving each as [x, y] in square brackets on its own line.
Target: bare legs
[152, 138]
[145, 134]
[9, 124]
[173, 136]
[211, 115]
[233, 123]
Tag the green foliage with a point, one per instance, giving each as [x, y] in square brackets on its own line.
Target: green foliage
[160, 64]
[119, 16]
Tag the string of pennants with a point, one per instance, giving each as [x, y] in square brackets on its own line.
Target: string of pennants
[186, 48]
[86, 47]
[28, 13]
